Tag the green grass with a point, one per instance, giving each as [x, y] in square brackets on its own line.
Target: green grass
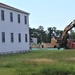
[39, 62]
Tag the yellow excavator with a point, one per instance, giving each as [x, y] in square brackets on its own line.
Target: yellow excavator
[63, 40]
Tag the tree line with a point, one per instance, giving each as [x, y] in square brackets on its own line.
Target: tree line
[44, 35]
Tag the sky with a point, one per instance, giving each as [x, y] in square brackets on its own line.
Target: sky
[46, 13]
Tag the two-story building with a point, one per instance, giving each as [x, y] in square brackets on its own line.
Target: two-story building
[14, 29]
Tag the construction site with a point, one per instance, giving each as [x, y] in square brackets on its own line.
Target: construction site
[59, 43]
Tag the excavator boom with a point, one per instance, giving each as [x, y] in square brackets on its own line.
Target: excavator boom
[65, 35]
[69, 27]
[63, 40]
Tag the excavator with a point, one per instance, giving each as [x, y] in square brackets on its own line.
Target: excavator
[63, 40]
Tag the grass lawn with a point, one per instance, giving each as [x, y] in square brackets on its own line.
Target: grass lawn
[39, 62]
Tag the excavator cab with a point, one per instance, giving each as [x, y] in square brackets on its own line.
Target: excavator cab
[53, 42]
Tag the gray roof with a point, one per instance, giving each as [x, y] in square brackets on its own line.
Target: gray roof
[12, 8]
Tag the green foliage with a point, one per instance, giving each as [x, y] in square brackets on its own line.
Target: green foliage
[72, 35]
[38, 33]
[44, 35]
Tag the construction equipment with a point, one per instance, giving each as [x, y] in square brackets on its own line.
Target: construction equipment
[63, 40]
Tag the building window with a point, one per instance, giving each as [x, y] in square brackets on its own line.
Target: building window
[2, 14]
[11, 16]
[12, 37]
[3, 36]
[25, 37]
[18, 18]
[25, 19]
[19, 37]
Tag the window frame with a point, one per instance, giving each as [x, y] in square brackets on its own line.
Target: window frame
[12, 37]
[26, 40]
[2, 15]
[25, 19]
[19, 37]
[19, 21]
[11, 17]
[3, 36]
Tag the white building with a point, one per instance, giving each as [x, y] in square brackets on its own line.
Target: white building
[14, 29]
[34, 40]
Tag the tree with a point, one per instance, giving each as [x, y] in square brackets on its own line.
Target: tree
[38, 33]
[33, 33]
[59, 33]
[42, 34]
[72, 35]
[51, 33]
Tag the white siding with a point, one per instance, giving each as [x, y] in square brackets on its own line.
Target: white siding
[34, 40]
[15, 28]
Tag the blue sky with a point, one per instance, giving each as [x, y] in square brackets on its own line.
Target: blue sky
[48, 13]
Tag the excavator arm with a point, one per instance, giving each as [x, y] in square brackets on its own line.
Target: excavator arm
[63, 40]
[65, 34]
[69, 27]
